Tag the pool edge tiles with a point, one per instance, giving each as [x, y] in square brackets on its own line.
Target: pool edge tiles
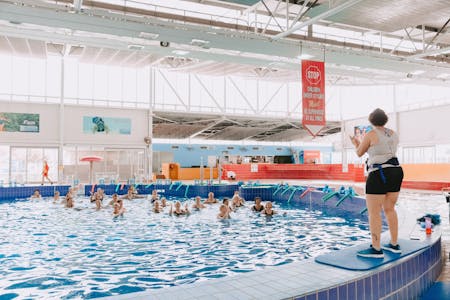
[406, 278]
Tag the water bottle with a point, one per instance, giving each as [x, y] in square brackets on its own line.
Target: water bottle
[427, 225]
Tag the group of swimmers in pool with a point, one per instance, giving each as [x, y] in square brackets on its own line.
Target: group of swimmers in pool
[225, 209]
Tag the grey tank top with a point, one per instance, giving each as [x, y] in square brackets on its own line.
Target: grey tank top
[385, 149]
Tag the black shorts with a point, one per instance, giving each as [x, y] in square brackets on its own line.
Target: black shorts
[376, 186]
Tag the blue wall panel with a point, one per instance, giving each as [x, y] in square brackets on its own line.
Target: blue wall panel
[189, 155]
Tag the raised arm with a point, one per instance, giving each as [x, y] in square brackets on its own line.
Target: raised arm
[362, 147]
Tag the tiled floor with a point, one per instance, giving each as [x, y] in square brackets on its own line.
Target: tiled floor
[302, 277]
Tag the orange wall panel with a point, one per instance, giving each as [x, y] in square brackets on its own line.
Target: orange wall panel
[194, 173]
[427, 172]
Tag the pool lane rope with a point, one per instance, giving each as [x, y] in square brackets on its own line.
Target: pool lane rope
[293, 193]
[346, 195]
[179, 187]
[186, 192]
[286, 189]
[328, 196]
[307, 191]
[279, 187]
[174, 183]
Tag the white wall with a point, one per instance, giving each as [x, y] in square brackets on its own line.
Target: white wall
[48, 134]
[422, 127]
[73, 126]
[427, 126]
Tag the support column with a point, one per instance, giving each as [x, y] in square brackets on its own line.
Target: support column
[395, 112]
[61, 126]
[343, 136]
[149, 155]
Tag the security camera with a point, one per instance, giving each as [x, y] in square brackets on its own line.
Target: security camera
[409, 75]
[164, 44]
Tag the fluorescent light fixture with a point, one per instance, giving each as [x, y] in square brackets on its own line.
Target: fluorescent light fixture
[417, 72]
[443, 76]
[135, 47]
[277, 63]
[305, 56]
[148, 35]
[200, 43]
[180, 52]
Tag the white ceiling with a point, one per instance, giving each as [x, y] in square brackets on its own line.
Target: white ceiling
[40, 28]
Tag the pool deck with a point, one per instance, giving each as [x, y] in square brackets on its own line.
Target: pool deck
[299, 278]
[271, 283]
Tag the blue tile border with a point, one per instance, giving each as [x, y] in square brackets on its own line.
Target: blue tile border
[8, 194]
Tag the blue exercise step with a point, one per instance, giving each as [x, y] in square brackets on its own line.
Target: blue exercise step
[347, 258]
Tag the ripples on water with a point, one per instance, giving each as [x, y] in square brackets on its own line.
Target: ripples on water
[50, 251]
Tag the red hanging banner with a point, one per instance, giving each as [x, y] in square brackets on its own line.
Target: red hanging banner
[313, 95]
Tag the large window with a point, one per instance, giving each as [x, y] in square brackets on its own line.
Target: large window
[117, 164]
[419, 155]
[27, 163]
[4, 164]
[37, 80]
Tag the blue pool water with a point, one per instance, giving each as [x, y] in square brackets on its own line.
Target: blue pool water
[48, 251]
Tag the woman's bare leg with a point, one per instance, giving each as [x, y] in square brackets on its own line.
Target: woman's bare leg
[391, 215]
[374, 207]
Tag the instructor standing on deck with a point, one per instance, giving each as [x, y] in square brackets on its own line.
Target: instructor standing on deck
[383, 183]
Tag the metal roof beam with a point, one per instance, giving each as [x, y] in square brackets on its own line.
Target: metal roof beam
[429, 53]
[317, 18]
[272, 17]
[437, 34]
[206, 128]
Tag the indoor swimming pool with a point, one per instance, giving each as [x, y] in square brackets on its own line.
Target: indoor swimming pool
[55, 252]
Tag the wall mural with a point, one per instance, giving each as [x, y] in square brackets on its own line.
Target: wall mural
[19, 122]
[106, 125]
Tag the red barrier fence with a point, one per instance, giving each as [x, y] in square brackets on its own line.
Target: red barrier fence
[293, 171]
